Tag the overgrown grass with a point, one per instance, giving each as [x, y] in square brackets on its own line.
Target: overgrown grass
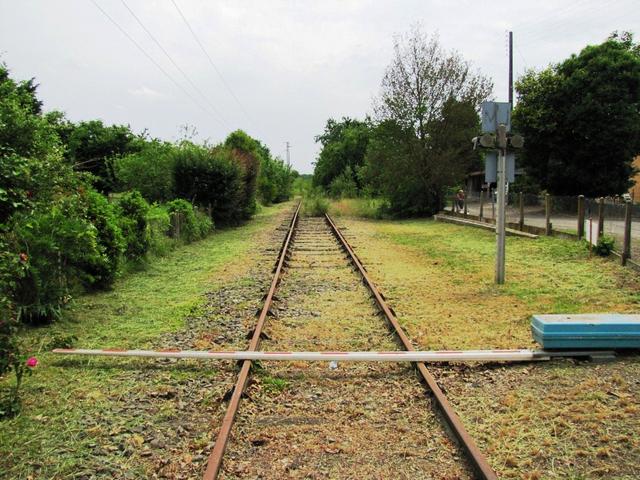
[560, 419]
[315, 205]
[451, 269]
[65, 395]
[357, 207]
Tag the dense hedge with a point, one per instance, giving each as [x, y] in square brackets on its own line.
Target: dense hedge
[61, 234]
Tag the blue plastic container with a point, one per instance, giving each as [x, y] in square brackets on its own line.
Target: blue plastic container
[591, 330]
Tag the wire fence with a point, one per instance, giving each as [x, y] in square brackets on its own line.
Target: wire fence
[576, 216]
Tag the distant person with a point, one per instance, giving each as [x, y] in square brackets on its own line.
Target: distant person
[460, 200]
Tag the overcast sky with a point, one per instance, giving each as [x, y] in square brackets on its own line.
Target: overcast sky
[277, 69]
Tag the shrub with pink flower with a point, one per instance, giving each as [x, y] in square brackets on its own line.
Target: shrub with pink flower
[32, 362]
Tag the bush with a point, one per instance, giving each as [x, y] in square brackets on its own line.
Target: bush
[210, 178]
[247, 155]
[343, 185]
[150, 171]
[315, 206]
[52, 249]
[159, 228]
[102, 272]
[133, 211]
[194, 225]
[604, 246]
[275, 181]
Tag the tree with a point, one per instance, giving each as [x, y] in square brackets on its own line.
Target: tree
[427, 111]
[581, 120]
[92, 146]
[344, 145]
[150, 171]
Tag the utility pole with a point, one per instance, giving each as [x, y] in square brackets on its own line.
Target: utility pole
[511, 69]
[502, 186]
[496, 128]
[288, 155]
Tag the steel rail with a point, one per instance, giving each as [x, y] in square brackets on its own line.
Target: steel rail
[215, 459]
[478, 460]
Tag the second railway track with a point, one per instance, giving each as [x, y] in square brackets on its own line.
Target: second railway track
[313, 420]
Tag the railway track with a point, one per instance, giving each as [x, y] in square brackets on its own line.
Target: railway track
[360, 420]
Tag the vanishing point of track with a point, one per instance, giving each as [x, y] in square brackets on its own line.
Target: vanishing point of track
[475, 457]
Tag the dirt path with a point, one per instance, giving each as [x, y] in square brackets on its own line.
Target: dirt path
[306, 420]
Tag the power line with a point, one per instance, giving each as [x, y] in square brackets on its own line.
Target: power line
[186, 77]
[195, 37]
[151, 59]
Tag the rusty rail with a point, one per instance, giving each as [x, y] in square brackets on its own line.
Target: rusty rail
[215, 459]
[478, 460]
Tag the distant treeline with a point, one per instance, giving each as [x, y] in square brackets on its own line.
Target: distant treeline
[80, 200]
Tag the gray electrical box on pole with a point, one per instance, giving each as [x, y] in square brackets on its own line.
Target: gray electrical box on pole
[496, 137]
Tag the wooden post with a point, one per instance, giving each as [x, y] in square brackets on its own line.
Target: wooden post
[521, 200]
[493, 205]
[547, 213]
[453, 205]
[580, 216]
[626, 249]
[175, 224]
[600, 216]
[481, 204]
[464, 202]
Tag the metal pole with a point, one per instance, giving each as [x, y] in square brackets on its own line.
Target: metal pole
[600, 216]
[626, 251]
[580, 216]
[481, 204]
[511, 68]
[521, 223]
[500, 221]
[547, 213]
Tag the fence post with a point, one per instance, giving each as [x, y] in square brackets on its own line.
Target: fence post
[547, 213]
[464, 202]
[481, 204]
[580, 216]
[453, 205]
[493, 205]
[176, 221]
[521, 201]
[600, 216]
[626, 250]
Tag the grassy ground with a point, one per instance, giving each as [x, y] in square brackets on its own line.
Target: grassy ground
[75, 411]
[550, 420]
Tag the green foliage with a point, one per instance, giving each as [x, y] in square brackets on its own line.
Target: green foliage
[412, 174]
[605, 245]
[247, 154]
[92, 147]
[23, 130]
[275, 181]
[315, 205]
[194, 225]
[210, 178]
[344, 185]
[101, 272]
[54, 245]
[344, 145]
[150, 171]
[133, 209]
[565, 111]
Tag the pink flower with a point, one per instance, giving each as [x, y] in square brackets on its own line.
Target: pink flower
[32, 362]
